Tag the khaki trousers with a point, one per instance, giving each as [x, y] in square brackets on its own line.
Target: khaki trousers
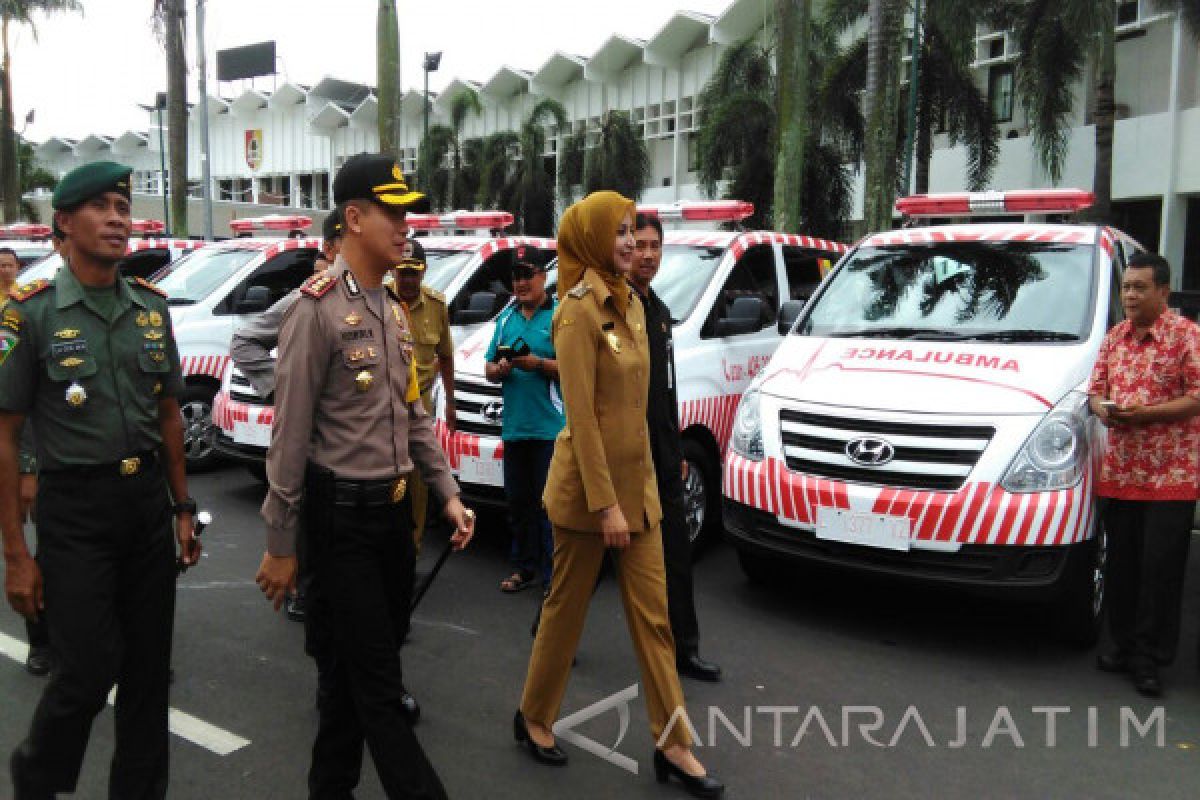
[577, 559]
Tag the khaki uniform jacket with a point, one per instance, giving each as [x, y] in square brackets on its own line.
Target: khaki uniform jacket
[602, 455]
[431, 335]
[340, 392]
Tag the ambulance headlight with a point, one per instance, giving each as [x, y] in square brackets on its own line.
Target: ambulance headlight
[1056, 453]
[747, 428]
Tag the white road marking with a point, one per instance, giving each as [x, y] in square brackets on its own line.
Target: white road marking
[183, 725]
[217, 585]
[428, 623]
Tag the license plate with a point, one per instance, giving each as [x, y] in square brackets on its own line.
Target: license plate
[484, 471]
[254, 435]
[871, 530]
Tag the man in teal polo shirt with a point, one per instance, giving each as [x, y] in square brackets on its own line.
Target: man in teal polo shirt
[521, 357]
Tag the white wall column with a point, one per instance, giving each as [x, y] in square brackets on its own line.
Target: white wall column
[1173, 231]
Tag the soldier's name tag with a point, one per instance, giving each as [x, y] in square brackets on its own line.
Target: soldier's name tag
[61, 350]
[358, 335]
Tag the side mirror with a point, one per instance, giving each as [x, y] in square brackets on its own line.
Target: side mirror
[468, 317]
[256, 299]
[745, 316]
[480, 308]
[789, 312]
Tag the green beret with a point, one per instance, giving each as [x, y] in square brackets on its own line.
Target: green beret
[83, 183]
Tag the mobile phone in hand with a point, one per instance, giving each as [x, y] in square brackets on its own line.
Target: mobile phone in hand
[1109, 406]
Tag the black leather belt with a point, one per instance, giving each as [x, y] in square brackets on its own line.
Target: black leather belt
[126, 467]
[360, 494]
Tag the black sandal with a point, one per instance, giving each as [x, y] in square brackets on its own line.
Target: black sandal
[517, 582]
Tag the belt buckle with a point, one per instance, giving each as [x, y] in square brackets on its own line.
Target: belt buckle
[130, 466]
[399, 487]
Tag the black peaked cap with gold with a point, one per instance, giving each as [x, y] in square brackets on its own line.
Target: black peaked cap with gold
[377, 177]
[83, 183]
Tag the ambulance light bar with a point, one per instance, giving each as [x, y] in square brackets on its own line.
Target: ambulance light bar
[273, 222]
[700, 211]
[24, 230]
[461, 220]
[148, 227]
[1022, 201]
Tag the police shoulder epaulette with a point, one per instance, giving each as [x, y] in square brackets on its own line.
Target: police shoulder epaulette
[147, 285]
[317, 286]
[433, 293]
[23, 293]
[580, 289]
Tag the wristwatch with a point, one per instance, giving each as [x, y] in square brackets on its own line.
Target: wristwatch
[185, 506]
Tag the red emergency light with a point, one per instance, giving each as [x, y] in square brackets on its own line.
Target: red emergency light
[24, 230]
[700, 211]
[272, 222]
[149, 227]
[1021, 201]
[460, 220]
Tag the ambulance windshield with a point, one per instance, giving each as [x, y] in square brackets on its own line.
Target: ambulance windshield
[998, 291]
[685, 273]
[198, 274]
[442, 265]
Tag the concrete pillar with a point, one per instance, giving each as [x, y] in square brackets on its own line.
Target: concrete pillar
[1173, 232]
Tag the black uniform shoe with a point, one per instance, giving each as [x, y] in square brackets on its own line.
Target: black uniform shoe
[551, 756]
[692, 665]
[296, 608]
[1147, 683]
[38, 662]
[1116, 661]
[702, 786]
[412, 709]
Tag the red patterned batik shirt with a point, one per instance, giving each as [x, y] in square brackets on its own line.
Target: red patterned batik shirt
[1160, 461]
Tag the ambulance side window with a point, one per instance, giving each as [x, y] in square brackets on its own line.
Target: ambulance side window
[280, 275]
[494, 276]
[754, 276]
[803, 268]
[1116, 312]
[145, 263]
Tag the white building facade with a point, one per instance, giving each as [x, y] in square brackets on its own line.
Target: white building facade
[281, 147]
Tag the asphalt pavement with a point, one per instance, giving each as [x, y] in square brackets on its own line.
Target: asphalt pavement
[835, 687]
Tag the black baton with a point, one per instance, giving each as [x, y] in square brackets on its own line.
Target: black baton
[437, 567]
[202, 521]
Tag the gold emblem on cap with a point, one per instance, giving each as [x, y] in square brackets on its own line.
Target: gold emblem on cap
[67, 333]
[353, 319]
[155, 319]
[76, 395]
[142, 320]
[363, 380]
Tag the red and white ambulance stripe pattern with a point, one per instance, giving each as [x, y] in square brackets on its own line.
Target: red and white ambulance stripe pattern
[984, 233]
[213, 366]
[137, 245]
[227, 411]
[713, 413]
[748, 240]
[978, 513]
[512, 242]
[459, 444]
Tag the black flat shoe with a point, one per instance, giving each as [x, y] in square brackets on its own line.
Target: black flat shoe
[38, 663]
[1147, 683]
[551, 756]
[693, 666]
[701, 786]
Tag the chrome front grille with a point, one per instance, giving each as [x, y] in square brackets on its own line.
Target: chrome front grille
[479, 406]
[932, 456]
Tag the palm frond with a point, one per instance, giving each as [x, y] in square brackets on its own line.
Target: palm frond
[619, 161]
[1052, 61]
[841, 16]
[837, 105]
[951, 92]
[462, 105]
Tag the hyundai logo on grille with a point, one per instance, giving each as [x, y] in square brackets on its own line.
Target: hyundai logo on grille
[494, 411]
[870, 452]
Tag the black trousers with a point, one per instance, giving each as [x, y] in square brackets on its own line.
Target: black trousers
[1148, 550]
[526, 464]
[362, 561]
[107, 554]
[677, 560]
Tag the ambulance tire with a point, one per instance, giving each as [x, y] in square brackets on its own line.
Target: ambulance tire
[1080, 608]
[199, 431]
[701, 497]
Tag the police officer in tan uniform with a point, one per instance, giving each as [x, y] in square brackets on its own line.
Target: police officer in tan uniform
[429, 320]
[601, 492]
[349, 431]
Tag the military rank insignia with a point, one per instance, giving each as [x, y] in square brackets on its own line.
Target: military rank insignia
[145, 284]
[8, 342]
[23, 293]
[12, 320]
[317, 286]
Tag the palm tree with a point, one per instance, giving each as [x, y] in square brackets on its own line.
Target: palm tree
[494, 168]
[572, 164]
[885, 27]
[618, 161]
[792, 55]
[387, 75]
[16, 12]
[462, 104]
[467, 181]
[170, 20]
[531, 187]
[31, 177]
[435, 178]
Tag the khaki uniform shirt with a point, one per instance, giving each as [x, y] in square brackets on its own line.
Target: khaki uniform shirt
[602, 456]
[341, 383]
[89, 384]
[431, 335]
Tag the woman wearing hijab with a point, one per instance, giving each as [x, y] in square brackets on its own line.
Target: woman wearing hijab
[601, 491]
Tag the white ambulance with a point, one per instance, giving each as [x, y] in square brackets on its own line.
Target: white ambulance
[725, 290]
[468, 260]
[926, 414]
[29, 240]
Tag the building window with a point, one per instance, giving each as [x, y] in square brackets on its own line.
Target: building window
[1000, 92]
[1127, 13]
[693, 152]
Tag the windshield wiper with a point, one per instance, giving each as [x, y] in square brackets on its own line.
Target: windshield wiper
[902, 333]
[1026, 335]
[180, 301]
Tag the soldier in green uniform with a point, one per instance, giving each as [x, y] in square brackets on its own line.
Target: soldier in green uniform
[91, 360]
[433, 347]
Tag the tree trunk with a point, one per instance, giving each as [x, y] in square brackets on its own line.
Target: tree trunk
[925, 121]
[177, 116]
[1106, 75]
[792, 35]
[387, 65]
[9, 187]
[883, 84]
